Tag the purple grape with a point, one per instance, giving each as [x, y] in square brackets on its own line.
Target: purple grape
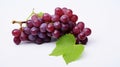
[58, 11]
[30, 23]
[76, 30]
[81, 26]
[43, 27]
[64, 9]
[39, 41]
[23, 36]
[26, 30]
[17, 40]
[37, 23]
[74, 18]
[34, 31]
[16, 32]
[55, 18]
[57, 25]
[64, 19]
[50, 27]
[46, 17]
[87, 31]
[42, 35]
[32, 37]
[34, 18]
[65, 27]
[81, 36]
[71, 25]
[84, 41]
[68, 12]
[56, 34]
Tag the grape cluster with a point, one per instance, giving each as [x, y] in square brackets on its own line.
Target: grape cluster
[48, 27]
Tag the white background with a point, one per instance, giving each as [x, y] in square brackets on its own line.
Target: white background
[102, 50]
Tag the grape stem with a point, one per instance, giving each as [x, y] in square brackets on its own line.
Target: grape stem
[20, 23]
[31, 14]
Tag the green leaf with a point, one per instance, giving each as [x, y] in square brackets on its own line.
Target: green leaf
[63, 44]
[66, 47]
[73, 53]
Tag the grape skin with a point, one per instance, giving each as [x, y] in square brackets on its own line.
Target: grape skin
[17, 40]
[16, 32]
[43, 27]
[50, 27]
[34, 31]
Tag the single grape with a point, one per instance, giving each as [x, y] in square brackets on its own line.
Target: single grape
[64, 9]
[34, 31]
[39, 41]
[71, 25]
[81, 26]
[34, 18]
[64, 19]
[16, 32]
[46, 17]
[74, 18]
[81, 36]
[23, 36]
[55, 18]
[84, 42]
[17, 40]
[32, 37]
[37, 23]
[87, 31]
[76, 30]
[57, 25]
[58, 11]
[26, 30]
[69, 13]
[56, 34]
[30, 23]
[43, 27]
[42, 35]
[50, 27]
[65, 27]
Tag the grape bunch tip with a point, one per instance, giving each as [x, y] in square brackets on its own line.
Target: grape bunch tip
[45, 27]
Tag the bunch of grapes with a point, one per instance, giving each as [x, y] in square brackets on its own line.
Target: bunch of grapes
[46, 28]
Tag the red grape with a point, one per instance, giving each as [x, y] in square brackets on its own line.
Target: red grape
[87, 31]
[57, 25]
[58, 11]
[17, 40]
[50, 27]
[34, 31]
[16, 32]
[74, 18]
[46, 17]
[64, 19]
